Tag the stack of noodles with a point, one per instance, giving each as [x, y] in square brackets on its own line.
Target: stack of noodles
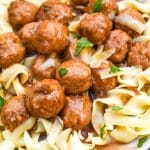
[129, 123]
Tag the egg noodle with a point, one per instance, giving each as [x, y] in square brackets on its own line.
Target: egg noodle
[123, 116]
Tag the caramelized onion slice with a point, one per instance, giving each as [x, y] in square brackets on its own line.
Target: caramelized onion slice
[130, 22]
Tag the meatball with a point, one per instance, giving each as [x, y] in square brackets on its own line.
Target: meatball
[21, 12]
[50, 37]
[77, 78]
[96, 27]
[14, 112]
[109, 7]
[126, 18]
[55, 10]
[120, 41]
[139, 54]
[45, 67]
[77, 112]
[11, 50]
[45, 98]
[101, 86]
[79, 2]
[26, 34]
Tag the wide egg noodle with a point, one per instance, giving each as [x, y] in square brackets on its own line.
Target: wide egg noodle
[16, 75]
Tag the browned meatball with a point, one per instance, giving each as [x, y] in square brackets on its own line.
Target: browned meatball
[77, 78]
[132, 15]
[45, 67]
[21, 12]
[79, 2]
[11, 50]
[26, 34]
[45, 98]
[101, 86]
[55, 10]
[50, 37]
[109, 7]
[120, 41]
[96, 27]
[139, 55]
[14, 112]
[77, 112]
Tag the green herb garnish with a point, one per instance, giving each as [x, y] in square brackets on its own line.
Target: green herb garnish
[102, 131]
[117, 108]
[45, 8]
[62, 71]
[2, 101]
[114, 69]
[75, 35]
[142, 141]
[97, 6]
[82, 43]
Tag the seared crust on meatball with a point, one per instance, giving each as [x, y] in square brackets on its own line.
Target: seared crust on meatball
[101, 86]
[120, 41]
[14, 112]
[55, 10]
[109, 7]
[96, 27]
[132, 13]
[50, 37]
[38, 67]
[26, 34]
[78, 77]
[77, 112]
[21, 12]
[139, 54]
[11, 50]
[45, 98]
[79, 2]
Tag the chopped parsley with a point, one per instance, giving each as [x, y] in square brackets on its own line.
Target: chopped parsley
[45, 8]
[82, 43]
[62, 71]
[75, 35]
[102, 131]
[2, 101]
[117, 108]
[97, 6]
[142, 141]
[114, 69]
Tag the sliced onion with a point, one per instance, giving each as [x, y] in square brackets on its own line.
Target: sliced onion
[100, 56]
[130, 22]
[29, 60]
[47, 64]
[142, 38]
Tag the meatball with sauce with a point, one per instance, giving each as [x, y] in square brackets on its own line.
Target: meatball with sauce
[26, 34]
[130, 21]
[109, 7]
[139, 54]
[11, 50]
[101, 86]
[55, 10]
[21, 12]
[75, 76]
[96, 27]
[120, 41]
[45, 98]
[14, 112]
[51, 37]
[45, 67]
[76, 113]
